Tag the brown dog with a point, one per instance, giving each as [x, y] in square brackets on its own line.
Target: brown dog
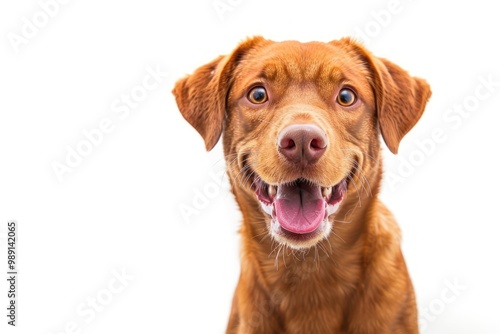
[300, 125]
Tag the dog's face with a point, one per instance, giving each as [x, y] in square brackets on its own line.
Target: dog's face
[301, 124]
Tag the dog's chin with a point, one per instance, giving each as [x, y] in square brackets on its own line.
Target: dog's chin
[299, 241]
[299, 211]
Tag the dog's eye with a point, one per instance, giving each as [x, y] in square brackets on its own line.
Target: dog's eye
[346, 97]
[257, 95]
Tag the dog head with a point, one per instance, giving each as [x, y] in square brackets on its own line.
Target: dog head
[300, 125]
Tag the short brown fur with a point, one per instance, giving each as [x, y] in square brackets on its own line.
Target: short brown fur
[355, 280]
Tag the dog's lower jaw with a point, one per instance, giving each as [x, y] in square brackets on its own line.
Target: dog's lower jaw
[300, 242]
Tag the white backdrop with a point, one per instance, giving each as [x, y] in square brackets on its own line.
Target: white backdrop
[103, 246]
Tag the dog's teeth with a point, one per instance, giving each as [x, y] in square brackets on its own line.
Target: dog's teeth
[327, 192]
[271, 191]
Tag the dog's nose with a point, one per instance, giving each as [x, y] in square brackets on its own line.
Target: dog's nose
[302, 143]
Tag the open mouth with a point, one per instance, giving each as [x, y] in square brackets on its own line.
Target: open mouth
[299, 209]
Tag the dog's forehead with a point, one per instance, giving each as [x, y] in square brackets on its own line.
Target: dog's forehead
[292, 60]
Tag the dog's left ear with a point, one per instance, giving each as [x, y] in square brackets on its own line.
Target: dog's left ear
[400, 98]
[401, 101]
[201, 97]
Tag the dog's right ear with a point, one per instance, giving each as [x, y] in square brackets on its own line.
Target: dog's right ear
[201, 97]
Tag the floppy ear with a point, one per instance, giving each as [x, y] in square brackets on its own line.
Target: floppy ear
[401, 101]
[400, 98]
[201, 97]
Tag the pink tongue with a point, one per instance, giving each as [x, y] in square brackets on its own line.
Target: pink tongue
[299, 208]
